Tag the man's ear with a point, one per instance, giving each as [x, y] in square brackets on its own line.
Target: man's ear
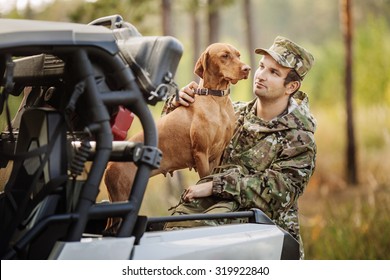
[293, 87]
[201, 65]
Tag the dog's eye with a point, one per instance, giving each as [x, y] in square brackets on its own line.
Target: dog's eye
[225, 55]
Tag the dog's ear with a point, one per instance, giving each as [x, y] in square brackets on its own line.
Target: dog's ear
[201, 64]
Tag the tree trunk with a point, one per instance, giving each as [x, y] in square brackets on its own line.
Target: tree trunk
[213, 21]
[196, 38]
[166, 7]
[28, 11]
[346, 19]
[249, 32]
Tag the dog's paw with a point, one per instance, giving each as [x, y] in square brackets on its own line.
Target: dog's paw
[111, 230]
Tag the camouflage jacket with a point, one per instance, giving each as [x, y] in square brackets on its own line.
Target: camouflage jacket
[267, 164]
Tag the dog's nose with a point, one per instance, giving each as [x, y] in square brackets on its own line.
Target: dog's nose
[246, 68]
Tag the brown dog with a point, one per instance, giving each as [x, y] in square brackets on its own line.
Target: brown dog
[194, 136]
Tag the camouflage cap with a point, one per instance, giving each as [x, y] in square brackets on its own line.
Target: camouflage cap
[289, 54]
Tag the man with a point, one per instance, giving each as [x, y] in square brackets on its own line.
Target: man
[271, 156]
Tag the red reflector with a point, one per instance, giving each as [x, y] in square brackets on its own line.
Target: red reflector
[121, 123]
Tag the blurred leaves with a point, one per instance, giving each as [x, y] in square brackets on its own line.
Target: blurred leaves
[372, 57]
[141, 12]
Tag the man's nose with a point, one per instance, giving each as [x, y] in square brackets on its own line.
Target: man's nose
[260, 74]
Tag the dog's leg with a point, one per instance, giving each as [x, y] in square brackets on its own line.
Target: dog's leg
[202, 163]
[119, 179]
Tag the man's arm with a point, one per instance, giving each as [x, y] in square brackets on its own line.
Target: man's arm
[273, 190]
[186, 98]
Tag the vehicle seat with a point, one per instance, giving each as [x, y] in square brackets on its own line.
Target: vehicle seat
[36, 186]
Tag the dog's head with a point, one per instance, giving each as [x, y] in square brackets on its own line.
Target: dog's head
[220, 64]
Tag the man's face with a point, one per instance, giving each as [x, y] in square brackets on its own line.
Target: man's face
[269, 79]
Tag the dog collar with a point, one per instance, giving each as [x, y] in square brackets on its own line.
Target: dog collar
[214, 92]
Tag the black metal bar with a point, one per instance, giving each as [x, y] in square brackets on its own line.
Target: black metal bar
[242, 214]
[125, 98]
[121, 150]
[141, 179]
[100, 119]
[36, 230]
[104, 210]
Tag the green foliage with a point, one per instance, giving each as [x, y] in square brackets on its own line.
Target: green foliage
[371, 65]
[324, 83]
[373, 128]
[372, 62]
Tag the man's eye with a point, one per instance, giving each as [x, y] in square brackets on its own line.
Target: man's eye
[274, 72]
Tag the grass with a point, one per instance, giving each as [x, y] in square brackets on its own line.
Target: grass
[350, 225]
[339, 221]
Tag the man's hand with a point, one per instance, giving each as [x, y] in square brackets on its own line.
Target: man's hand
[186, 95]
[196, 191]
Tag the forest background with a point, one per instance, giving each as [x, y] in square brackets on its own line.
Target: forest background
[340, 219]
